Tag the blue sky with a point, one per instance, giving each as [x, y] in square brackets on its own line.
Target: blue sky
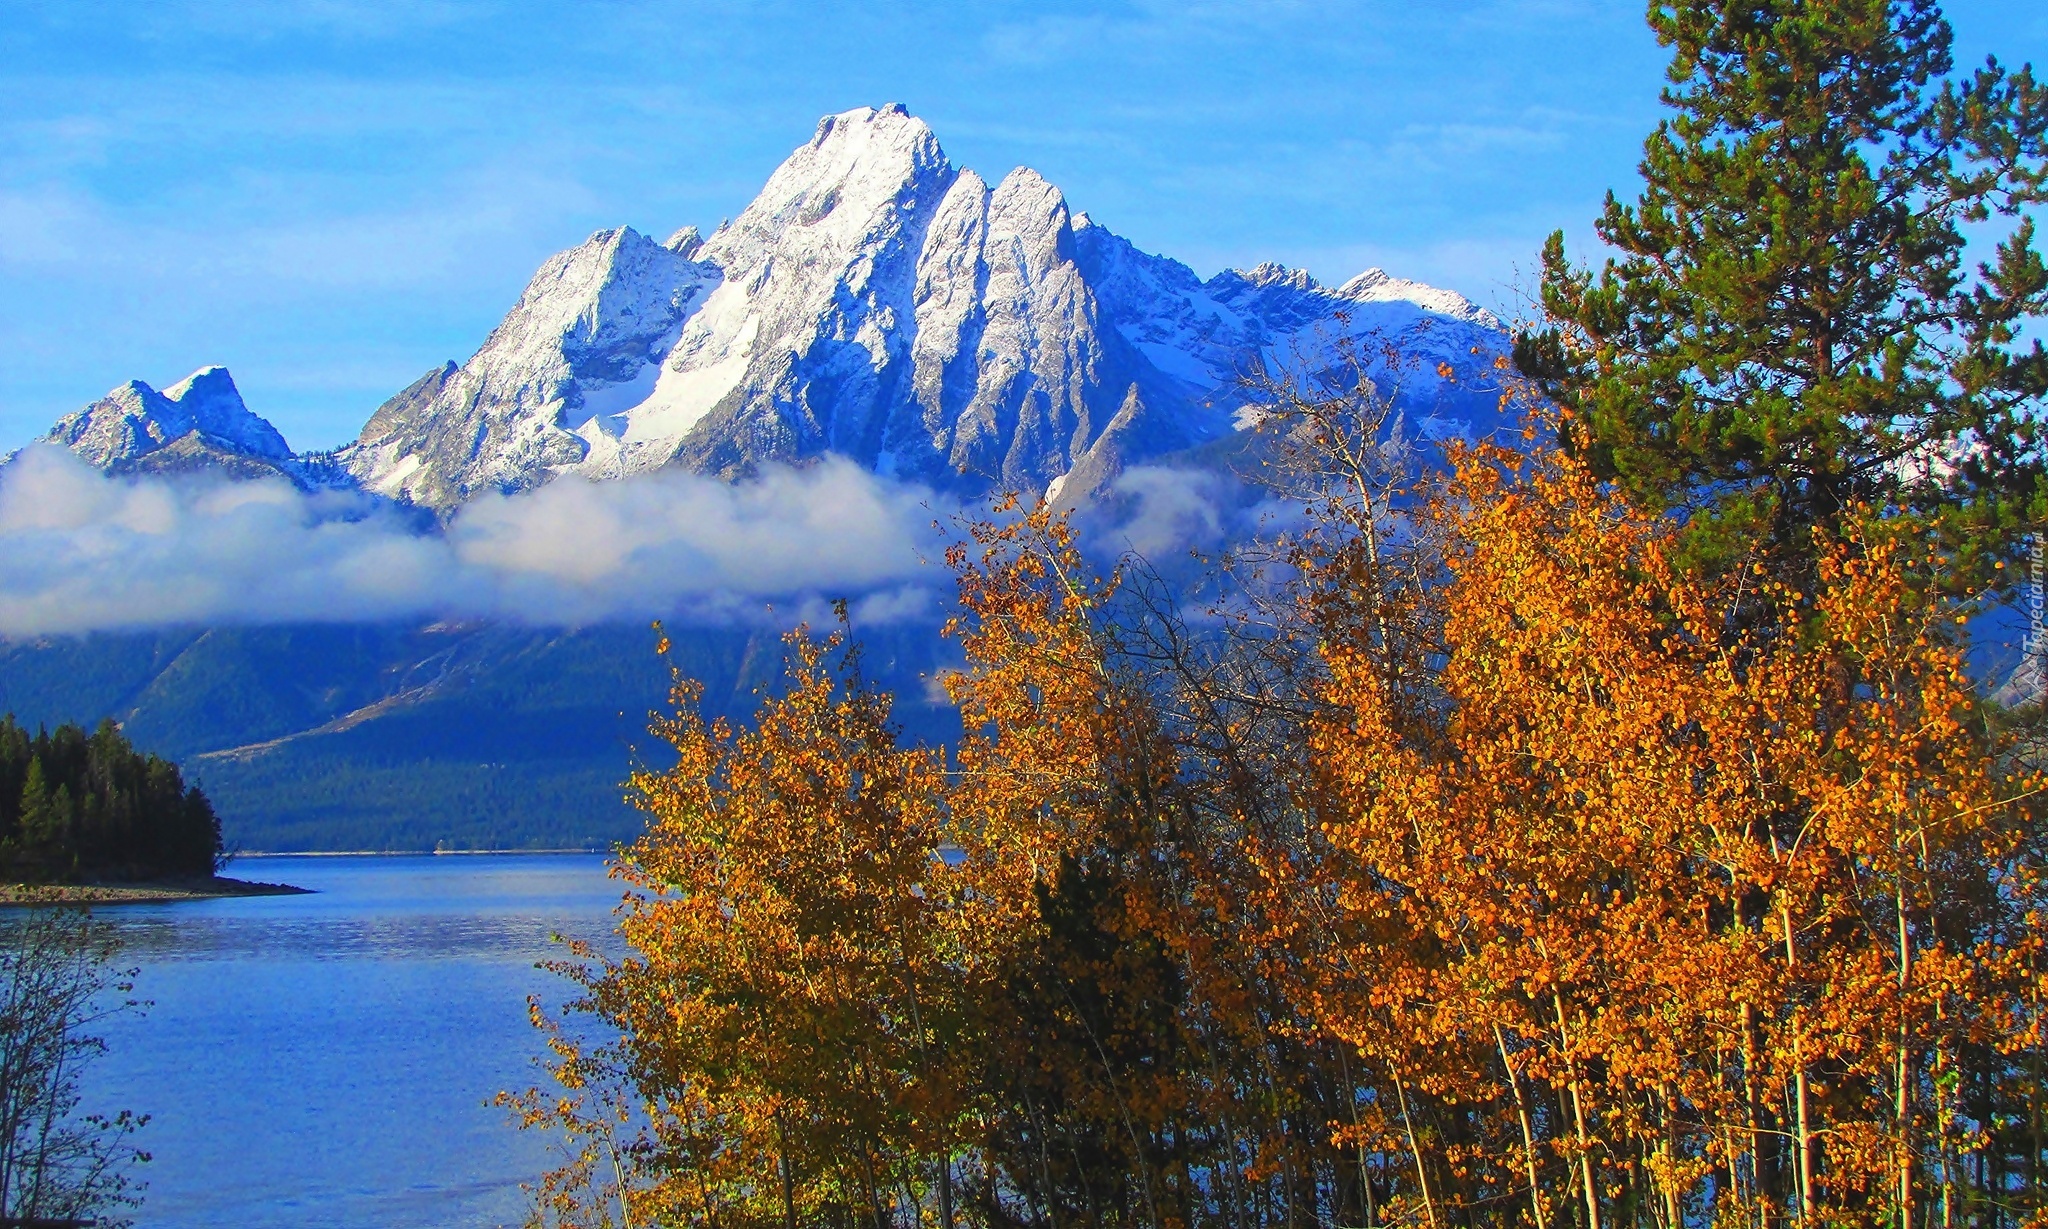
[331, 196]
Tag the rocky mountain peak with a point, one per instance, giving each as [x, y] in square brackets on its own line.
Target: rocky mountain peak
[1029, 205]
[863, 173]
[1378, 286]
[1266, 273]
[133, 421]
[532, 399]
[685, 242]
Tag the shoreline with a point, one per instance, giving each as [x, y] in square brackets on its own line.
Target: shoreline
[222, 887]
[407, 853]
[145, 892]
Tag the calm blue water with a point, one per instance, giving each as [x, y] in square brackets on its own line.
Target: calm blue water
[325, 1060]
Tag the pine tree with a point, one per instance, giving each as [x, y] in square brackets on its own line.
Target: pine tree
[73, 805]
[1792, 324]
[45, 819]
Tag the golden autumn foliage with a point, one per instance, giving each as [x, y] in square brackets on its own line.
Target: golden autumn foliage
[1675, 914]
[1487, 866]
[791, 974]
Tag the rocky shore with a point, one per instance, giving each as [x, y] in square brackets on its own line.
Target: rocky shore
[147, 892]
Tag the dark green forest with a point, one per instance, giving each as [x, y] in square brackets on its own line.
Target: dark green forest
[77, 805]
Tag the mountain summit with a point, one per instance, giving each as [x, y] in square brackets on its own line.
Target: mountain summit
[873, 301]
[197, 423]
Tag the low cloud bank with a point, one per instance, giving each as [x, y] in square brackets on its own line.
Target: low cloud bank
[83, 552]
[1171, 515]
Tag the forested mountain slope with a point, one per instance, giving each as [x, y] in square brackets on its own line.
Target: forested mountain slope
[351, 737]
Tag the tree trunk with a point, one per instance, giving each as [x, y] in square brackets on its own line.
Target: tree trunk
[1414, 1150]
[1591, 1191]
[1528, 1131]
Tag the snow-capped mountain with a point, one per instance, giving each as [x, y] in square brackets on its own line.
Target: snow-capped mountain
[876, 302]
[532, 401]
[198, 424]
[873, 301]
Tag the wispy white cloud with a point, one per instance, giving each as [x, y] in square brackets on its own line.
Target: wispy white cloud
[80, 551]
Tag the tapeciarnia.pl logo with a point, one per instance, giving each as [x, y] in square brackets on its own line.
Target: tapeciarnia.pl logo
[2034, 669]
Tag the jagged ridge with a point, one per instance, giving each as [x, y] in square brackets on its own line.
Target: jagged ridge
[873, 301]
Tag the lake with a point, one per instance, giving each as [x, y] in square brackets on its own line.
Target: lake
[326, 1059]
